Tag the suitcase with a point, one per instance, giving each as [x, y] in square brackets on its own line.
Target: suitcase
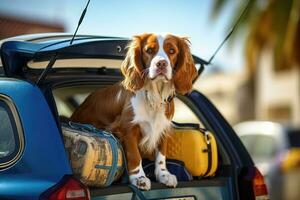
[196, 147]
[96, 156]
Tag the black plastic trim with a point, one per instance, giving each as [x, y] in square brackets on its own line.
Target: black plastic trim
[15, 122]
[118, 189]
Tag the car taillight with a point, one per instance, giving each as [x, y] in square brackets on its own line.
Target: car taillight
[68, 189]
[259, 187]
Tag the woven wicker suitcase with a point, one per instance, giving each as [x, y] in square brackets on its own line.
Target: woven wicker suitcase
[96, 156]
[196, 147]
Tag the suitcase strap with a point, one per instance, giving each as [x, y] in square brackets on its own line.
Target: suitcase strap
[90, 128]
[208, 150]
[113, 169]
[136, 193]
[114, 165]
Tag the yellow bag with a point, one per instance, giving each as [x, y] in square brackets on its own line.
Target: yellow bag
[196, 148]
[96, 156]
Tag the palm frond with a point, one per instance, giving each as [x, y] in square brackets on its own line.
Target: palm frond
[217, 7]
[271, 23]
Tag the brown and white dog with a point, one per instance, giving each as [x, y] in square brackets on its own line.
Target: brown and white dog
[139, 110]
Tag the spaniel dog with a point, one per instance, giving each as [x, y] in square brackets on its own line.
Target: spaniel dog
[139, 110]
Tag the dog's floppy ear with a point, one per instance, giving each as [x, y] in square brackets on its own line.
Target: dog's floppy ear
[185, 70]
[132, 66]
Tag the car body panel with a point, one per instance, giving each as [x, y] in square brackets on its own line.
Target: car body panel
[203, 193]
[203, 189]
[44, 161]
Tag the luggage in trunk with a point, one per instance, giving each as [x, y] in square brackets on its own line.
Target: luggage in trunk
[96, 156]
[196, 147]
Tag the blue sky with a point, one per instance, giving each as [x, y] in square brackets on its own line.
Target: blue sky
[130, 17]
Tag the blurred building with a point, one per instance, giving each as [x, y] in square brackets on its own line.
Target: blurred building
[274, 95]
[13, 26]
[277, 92]
[224, 90]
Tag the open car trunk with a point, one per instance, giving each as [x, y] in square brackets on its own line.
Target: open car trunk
[70, 93]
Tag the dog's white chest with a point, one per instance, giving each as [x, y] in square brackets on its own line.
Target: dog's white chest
[151, 118]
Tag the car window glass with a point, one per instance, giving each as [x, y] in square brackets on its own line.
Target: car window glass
[183, 114]
[265, 146]
[249, 142]
[260, 146]
[7, 139]
[68, 98]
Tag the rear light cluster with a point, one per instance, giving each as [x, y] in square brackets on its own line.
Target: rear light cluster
[68, 189]
[259, 187]
[252, 185]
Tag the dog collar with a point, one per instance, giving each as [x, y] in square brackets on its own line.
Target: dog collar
[169, 99]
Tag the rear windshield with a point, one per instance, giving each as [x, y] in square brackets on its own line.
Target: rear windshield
[260, 146]
[294, 137]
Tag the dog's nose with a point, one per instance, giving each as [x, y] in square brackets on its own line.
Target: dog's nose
[162, 64]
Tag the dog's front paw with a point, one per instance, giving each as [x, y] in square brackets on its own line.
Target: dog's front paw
[141, 182]
[167, 178]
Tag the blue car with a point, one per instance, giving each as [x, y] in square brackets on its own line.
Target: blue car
[43, 79]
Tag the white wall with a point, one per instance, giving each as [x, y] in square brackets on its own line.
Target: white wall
[276, 89]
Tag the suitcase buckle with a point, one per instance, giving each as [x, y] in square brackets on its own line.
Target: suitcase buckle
[206, 136]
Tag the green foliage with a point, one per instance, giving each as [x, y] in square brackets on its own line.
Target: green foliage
[273, 24]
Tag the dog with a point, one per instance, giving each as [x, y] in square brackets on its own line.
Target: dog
[139, 109]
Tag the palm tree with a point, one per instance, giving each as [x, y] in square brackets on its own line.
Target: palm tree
[273, 24]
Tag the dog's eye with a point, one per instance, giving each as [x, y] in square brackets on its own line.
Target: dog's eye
[172, 51]
[149, 50]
